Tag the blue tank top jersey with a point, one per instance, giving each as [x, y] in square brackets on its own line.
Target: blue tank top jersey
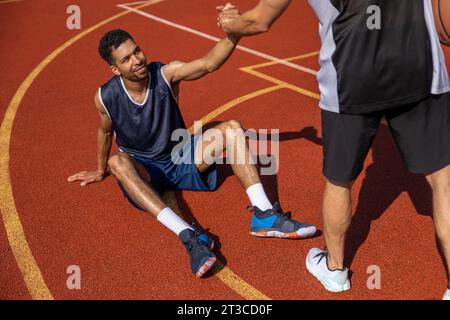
[143, 129]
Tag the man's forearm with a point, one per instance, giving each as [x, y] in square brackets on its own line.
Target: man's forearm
[104, 141]
[221, 52]
[246, 25]
[255, 21]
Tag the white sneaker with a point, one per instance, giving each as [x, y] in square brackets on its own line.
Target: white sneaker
[334, 281]
[446, 295]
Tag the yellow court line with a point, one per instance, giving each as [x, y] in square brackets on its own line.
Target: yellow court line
[271, 63]
[284, 84]
[223, 273]
[232, 280]
[226, 275]
[215, 113]
[251, 70]
[16, 236]
[27, 264]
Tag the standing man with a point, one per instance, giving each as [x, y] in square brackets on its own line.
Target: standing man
[139, 105]
[378, 58]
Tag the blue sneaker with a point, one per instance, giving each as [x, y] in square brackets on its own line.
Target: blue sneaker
[199, 247]
[273, 223]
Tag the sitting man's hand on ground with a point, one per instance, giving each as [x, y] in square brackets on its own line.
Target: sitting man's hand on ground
[87, 177]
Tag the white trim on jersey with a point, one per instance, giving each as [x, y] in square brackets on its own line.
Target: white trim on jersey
[327, 76]
[129, 96]
[440, 83]
[167, 82]
[102, 103]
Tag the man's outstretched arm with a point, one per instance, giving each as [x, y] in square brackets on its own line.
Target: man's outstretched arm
[177, 71]
[254, 21]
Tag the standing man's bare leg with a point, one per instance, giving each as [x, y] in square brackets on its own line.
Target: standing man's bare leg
[328, 265]
[337, 208]
[440, 185]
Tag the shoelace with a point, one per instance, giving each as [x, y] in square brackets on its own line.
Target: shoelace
[196, 239]
[275, 210]
[193, 242]
[284, 215]
[322, 255]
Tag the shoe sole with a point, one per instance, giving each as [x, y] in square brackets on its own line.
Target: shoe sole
[206, 266]
[299, 234]
[329, 285]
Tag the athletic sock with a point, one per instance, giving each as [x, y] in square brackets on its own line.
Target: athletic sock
[172, 221]
[258, 197]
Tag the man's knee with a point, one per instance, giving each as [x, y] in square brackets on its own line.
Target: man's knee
[233, 124]
[118, 162]
[439, 180]
[233, 129]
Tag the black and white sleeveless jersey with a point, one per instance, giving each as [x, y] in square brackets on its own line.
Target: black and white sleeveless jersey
[365, 67]
[143, 129]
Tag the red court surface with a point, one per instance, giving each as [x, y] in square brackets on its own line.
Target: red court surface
[48, 133]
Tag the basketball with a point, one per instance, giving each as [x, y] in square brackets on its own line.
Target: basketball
[441, 10]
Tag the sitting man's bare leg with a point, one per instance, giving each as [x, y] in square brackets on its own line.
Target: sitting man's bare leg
[137, 183]
[268, 220]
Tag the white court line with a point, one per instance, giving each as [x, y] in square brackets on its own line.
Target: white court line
[212, 38]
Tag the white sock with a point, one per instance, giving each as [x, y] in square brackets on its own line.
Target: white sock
[258, 197]
[172, 221]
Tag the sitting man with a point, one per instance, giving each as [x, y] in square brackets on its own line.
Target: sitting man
[140, 106]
